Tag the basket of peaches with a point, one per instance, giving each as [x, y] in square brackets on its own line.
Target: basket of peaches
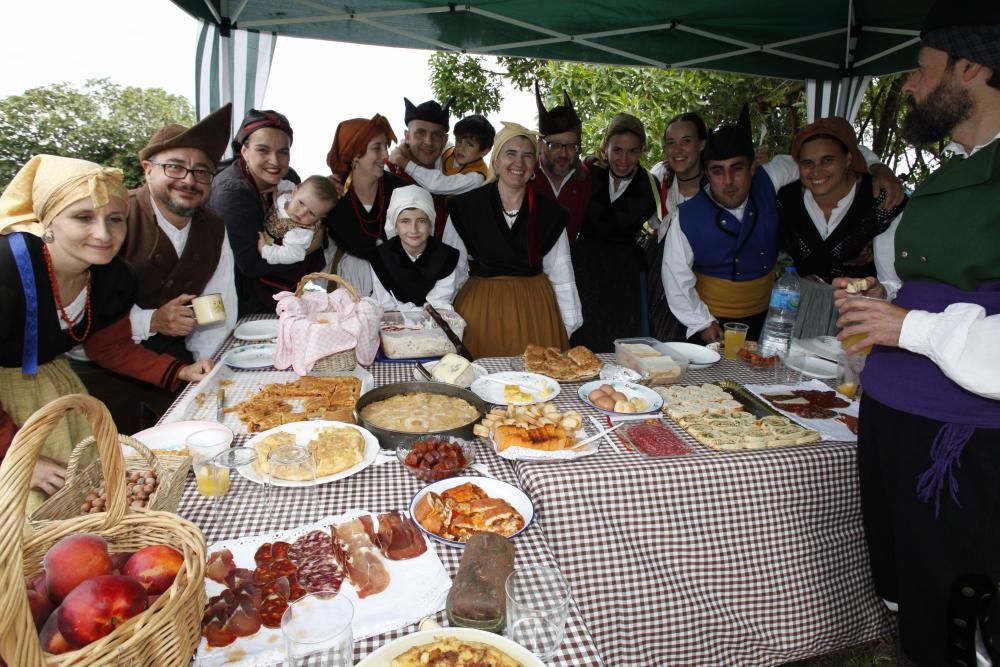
[121, 587]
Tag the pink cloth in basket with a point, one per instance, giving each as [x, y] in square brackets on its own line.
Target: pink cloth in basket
[302, 341]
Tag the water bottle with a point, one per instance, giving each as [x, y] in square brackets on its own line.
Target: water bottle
[776, 337]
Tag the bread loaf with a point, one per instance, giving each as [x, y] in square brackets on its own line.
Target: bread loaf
[548, 437]
[477, 598]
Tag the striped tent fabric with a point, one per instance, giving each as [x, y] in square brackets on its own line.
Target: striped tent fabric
[835, 98]
[232, 66]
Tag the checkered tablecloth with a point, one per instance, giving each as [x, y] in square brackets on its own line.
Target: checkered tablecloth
[378, 488]
[745, 558]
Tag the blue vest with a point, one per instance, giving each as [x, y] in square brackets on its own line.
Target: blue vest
[729, 248]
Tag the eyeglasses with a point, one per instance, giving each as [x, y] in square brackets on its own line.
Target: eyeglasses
[179, 172]
[556, 146]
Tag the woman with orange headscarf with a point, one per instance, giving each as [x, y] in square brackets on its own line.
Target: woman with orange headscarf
[357, 223]
[64, 289]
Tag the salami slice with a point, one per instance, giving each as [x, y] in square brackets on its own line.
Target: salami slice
[309, 545]
[280, 549]
[321, 574]
[271, 611]
[656, 440]
[264, 554]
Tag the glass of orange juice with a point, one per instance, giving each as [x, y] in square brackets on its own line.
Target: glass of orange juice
[857, 338]
[204, 445]
[736, 337]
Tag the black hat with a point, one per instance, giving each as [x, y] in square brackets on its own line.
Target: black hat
[429, 111]
[559, 119]
[476, 126]
[730, 141]
[965, 29]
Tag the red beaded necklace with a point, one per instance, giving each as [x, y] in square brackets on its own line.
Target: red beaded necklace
[379, 217]
[59, 305]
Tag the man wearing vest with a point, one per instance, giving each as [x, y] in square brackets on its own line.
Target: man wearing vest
[179, 251]
[722, 244]
[929, 441]
[559, 173]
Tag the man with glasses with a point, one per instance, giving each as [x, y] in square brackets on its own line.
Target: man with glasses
[559, 173]
[180, 251]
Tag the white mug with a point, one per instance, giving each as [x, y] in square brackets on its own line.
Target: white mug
[208, 308]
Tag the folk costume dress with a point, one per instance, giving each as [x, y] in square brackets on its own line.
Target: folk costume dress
[928, 451]
[846, 244]
[608, 260]
[520, 289]
[414, 281]
[34, 369]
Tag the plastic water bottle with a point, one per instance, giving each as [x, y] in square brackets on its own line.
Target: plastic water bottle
[776, 337]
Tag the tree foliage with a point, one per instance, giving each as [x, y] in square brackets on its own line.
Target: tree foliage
[777, 106]
[101, 121]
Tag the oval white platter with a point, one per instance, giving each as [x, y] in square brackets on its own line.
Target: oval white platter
[653, 400]
[257, 330]
[304, 432]
[172, 435]
[250, 357]
[490, 387]
[494, 488]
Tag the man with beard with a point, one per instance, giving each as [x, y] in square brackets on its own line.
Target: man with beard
[928, 455]
[722, 244]
[180, 251]
[559, 173]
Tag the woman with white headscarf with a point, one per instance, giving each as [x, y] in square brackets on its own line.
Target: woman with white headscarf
[62, 288]
[515, 253]
[413, 268]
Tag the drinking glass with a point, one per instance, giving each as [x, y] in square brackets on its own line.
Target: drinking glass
[317, 631]
[736, 337]
[786, 368]
[291, 479]
[851, 340]
[203, 446]
[849, 367]
[537, 608]
[238, 502]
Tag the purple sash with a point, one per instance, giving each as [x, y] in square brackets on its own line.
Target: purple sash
[914, 384]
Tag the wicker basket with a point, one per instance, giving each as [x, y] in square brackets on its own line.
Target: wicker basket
[339, 361]
[166, 633]
[171, 471]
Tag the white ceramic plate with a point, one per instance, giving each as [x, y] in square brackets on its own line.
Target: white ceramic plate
[827, 347]
[257, 330]
[173, 435]
[304, 432]
[384, 656]
[814, 367]
[541, 387]
[250, 357]
[653, 400]
[476, 368]
[494, 488]
[698, 356]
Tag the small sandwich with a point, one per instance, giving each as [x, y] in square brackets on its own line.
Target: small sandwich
[857, 286]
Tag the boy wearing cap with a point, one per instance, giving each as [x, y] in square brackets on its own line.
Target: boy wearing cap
[473, 140]
[928, 458]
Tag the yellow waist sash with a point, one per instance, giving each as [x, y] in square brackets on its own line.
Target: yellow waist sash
[727, 298]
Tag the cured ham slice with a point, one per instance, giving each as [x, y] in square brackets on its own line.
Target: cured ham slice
[220, 564]
[398, 537]
[359, 556]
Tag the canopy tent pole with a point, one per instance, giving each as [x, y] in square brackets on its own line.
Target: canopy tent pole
[232, 66]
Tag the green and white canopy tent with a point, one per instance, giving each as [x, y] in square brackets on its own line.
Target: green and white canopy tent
[835, 45]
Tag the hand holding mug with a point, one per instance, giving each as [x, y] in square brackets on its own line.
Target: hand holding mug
[174, 318]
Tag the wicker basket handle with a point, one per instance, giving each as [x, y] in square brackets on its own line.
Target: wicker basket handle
[73, 464]
[329, 276]
[18, 464]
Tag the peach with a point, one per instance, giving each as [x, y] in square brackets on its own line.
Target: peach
[74, 559]
[50, 638]
[155, 567]
[99, 605]
[38, 584]
[41, 608]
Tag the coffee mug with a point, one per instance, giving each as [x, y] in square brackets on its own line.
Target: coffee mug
[208, 308]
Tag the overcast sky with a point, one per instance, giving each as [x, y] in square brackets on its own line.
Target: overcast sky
[151, 43]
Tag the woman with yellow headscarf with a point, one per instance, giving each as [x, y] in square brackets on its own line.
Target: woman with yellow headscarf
[514, 251]
[62, 288]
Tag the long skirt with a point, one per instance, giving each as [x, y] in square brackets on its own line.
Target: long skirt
[22, 396]
[607, 278]
[506, 313]
[662, 323]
